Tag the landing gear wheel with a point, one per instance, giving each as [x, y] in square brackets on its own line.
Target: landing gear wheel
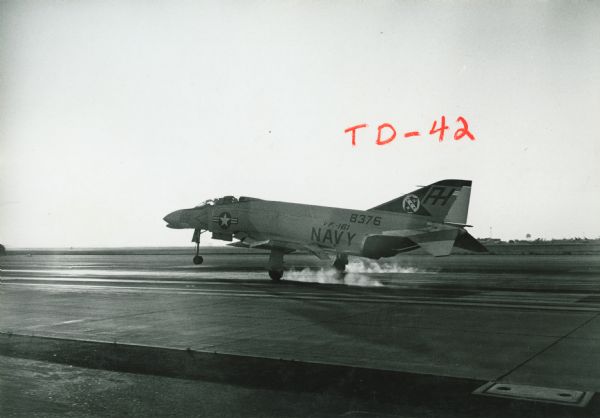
[275, 265]
[196, 238]
[339, 266]
[275, 275]
[340, 263]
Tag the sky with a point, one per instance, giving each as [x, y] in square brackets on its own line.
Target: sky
[114, 113]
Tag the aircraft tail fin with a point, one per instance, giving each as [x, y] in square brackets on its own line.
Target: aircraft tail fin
[444, 201]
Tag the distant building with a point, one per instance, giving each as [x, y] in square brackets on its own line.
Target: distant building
[490, 240]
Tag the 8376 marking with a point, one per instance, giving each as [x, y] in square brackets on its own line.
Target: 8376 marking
[357, 218]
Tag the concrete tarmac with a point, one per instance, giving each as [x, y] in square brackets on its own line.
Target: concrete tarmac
[436, 329]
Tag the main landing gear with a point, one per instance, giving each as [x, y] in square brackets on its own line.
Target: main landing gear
[276, 264]
[341, 260]
[198, 259]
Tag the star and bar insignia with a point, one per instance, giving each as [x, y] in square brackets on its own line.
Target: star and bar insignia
[225, 219]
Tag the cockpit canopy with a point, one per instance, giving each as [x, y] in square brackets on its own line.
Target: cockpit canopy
[225, 200]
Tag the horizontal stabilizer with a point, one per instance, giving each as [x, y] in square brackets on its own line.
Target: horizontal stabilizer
[460, 225]
[438, 243]
[469, 242]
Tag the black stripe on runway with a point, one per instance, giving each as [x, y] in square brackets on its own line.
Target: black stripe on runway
[393, 387]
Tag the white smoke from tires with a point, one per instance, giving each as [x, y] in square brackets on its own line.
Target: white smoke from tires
[356, 274]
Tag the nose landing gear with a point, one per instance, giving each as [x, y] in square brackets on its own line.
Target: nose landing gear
[198, 259]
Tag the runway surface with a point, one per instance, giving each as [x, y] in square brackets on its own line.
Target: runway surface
[520, 320]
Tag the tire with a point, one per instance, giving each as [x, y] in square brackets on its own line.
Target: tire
[339, 266]
[275, 275]
[198, 259]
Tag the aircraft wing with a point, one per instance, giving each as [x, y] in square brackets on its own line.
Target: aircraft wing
[322, 255]
[288, 246]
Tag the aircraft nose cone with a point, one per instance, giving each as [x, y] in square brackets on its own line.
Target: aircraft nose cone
[187, 218]
[173, 219]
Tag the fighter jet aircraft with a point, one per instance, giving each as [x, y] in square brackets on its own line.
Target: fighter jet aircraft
[432, 218]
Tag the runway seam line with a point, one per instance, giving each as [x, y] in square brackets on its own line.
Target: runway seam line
[343, 298]
[518, 366]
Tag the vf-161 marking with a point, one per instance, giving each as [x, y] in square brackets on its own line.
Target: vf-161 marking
[432, 218]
